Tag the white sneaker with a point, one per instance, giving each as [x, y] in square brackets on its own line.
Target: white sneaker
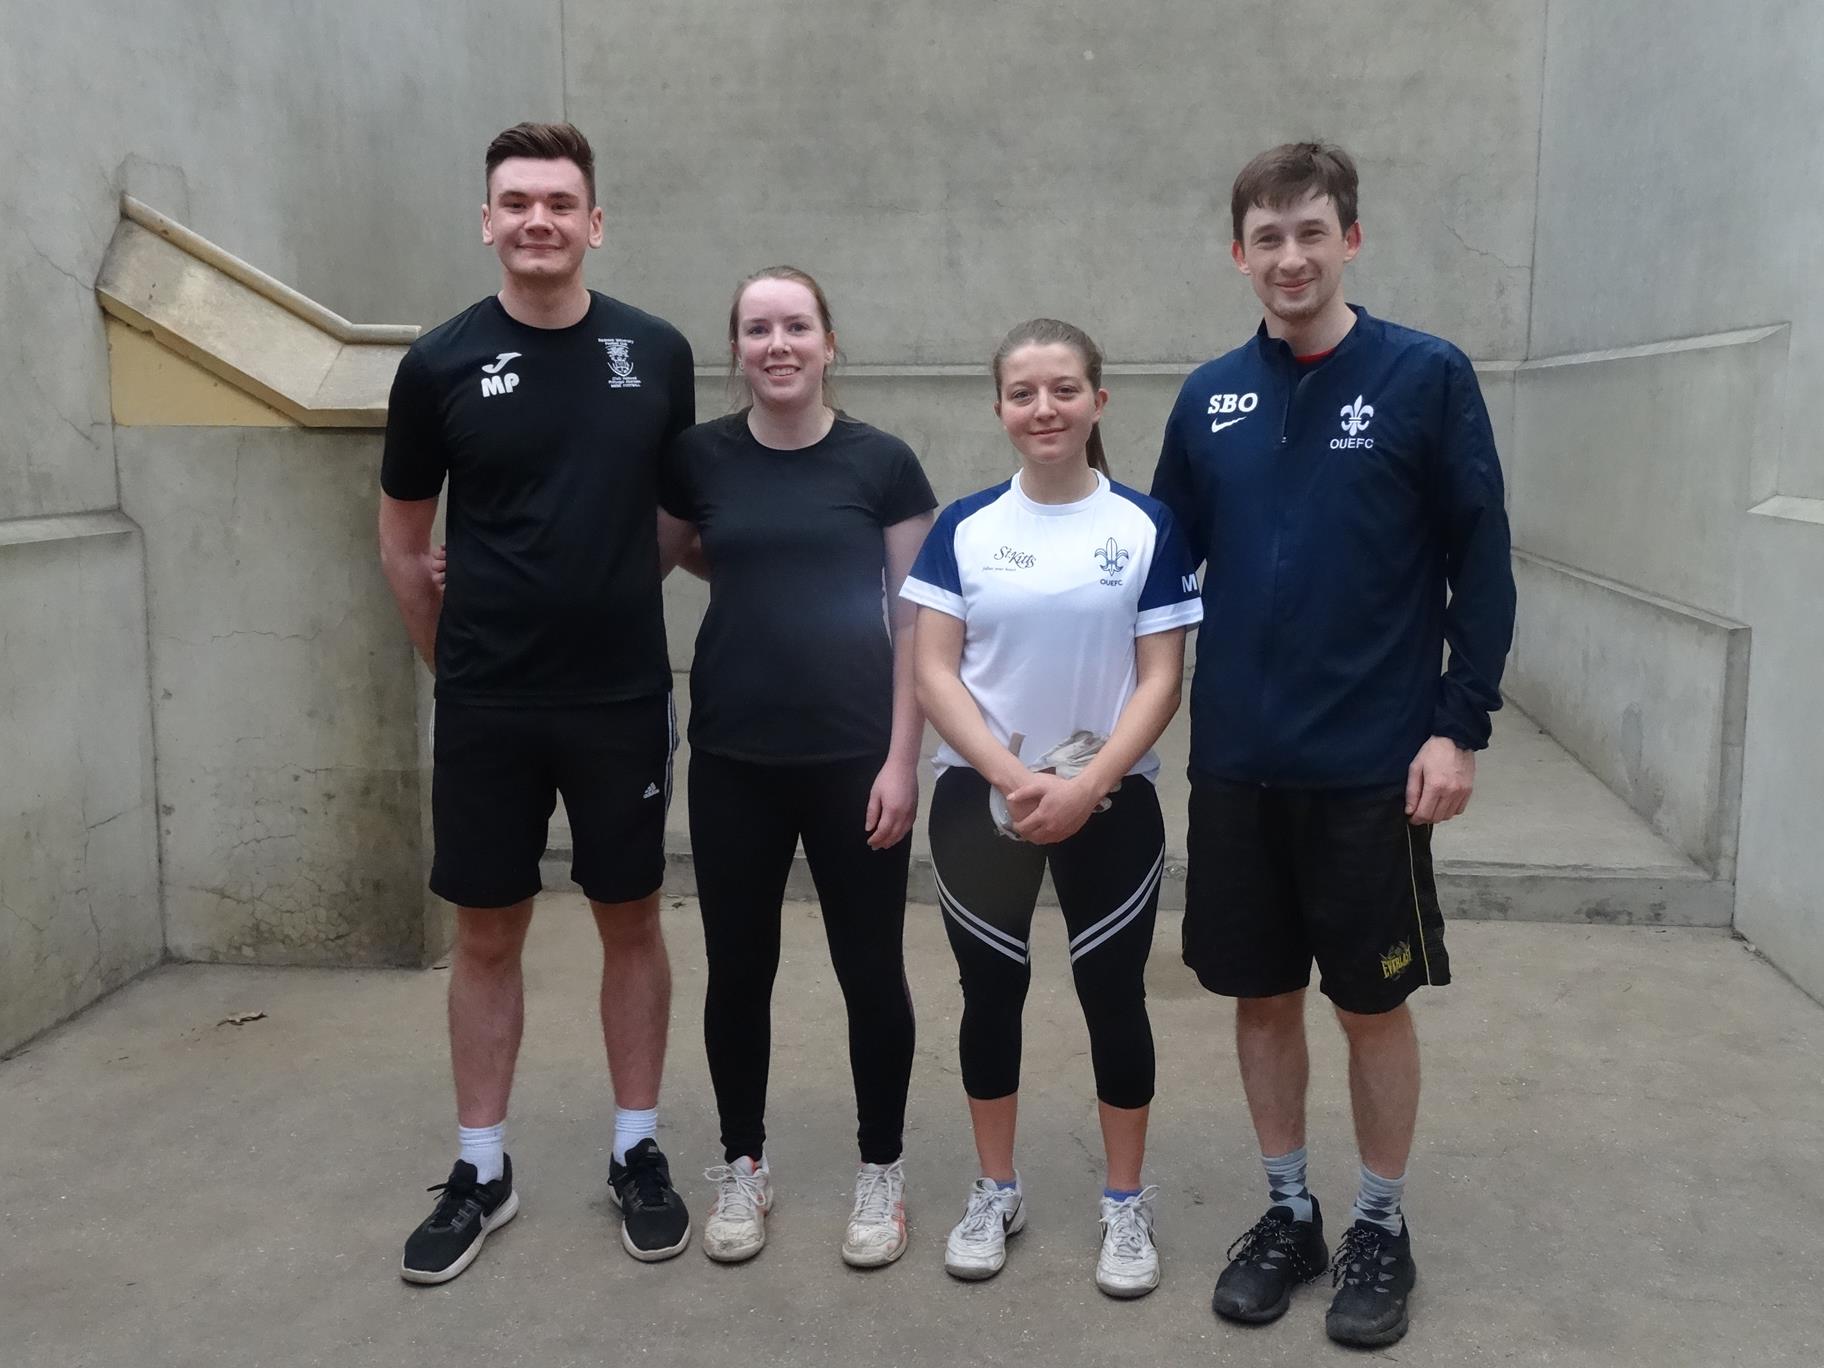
[1129, 1263]
[736, 1226]
[877, 1226]
[977, 1247]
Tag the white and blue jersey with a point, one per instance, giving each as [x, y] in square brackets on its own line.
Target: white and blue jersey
[1052, 597]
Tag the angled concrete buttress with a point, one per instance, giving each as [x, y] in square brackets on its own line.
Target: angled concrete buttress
[239, 324]
[288, 709]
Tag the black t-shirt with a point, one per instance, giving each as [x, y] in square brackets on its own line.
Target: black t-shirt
[794, 662]
[551, 438]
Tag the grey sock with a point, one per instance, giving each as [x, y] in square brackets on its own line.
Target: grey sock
[1286, 1182]
[1378, 1202]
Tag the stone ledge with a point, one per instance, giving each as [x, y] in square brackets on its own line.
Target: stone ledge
[1791, 508]
[246, 328]
[66, 527]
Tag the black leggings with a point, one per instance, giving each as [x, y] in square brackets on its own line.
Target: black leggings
[1107, 879]
[745, 823]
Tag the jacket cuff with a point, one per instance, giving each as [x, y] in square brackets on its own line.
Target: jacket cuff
[1468, 737]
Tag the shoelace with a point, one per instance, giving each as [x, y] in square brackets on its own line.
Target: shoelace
[460, 1203]
[1130, 1225]
[876, 1189]
[1360, 1250]
[645, 1187]
[1272, 1233]
[983, 1213]
[737, 1193]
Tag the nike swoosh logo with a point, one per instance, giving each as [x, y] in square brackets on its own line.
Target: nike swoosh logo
[1218, 427]
[503, 359]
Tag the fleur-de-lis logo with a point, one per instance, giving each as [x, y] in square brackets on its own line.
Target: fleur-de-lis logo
[1112, 558]
[1356, 416]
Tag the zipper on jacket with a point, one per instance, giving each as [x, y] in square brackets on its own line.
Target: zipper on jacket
[1298, 376]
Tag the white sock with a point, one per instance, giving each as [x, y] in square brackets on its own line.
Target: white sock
[484, 1147]
[631, 1127]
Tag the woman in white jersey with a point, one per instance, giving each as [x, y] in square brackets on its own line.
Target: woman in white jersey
[1052, 615]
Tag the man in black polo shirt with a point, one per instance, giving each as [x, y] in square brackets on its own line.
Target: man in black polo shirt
[547, 406]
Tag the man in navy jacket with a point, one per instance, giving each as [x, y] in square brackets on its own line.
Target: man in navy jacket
[1337, 474]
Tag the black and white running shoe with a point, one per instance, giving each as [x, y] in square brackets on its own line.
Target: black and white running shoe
[654, 1222]
[451, 1235]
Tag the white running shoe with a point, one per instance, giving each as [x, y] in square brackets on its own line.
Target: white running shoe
[977, 1247]
[736, 1227]
[1128, 1265]
[877, 1227]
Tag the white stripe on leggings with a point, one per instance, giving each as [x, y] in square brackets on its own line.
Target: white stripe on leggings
[1081, 944]
[992, 937]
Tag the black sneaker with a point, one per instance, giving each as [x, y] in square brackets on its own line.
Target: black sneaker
[451, 1235]
[1373, 1274]
[654, 1223]
[1267, 1262]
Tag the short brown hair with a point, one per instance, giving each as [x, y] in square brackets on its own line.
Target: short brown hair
[544, 142]
[1291, 171]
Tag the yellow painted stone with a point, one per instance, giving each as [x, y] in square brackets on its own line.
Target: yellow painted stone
[153, 386]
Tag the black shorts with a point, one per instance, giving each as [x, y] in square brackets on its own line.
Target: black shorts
[495, 777]
[1280, 877]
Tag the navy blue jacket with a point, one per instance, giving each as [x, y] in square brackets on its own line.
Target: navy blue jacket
[1333, 504]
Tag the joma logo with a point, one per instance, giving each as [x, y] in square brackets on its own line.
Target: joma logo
[493, 382]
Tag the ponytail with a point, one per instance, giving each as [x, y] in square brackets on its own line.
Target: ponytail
[1098, 459]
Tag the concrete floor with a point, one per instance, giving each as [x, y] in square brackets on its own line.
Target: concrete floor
[1618, 1163]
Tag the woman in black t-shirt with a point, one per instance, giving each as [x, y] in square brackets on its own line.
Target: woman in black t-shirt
[804, 724]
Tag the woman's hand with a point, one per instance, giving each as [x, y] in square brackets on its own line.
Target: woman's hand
[440, 566]
[892, 803]
[1047, 809]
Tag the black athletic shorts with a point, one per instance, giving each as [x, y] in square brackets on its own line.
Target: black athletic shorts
[495, 777]
[1281, 877]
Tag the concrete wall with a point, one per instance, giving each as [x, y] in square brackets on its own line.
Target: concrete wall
[78, 845]
[1650, 694]
[1542, 184]
[1679, 173]
[950, 168]
[336, 147]
[284, 698]
[1631, 471]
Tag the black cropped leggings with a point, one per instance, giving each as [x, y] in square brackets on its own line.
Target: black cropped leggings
[1107, 879]
[745, 824]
